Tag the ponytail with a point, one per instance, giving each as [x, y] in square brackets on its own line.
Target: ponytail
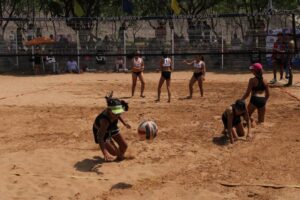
[259, 75]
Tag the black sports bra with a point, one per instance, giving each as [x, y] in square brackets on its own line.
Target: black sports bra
[260, 86]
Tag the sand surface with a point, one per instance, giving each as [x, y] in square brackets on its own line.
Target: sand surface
[47, 149]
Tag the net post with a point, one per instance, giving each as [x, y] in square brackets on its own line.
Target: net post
[124, 49]
[222, 50]
[77, 41]
[17, 57]
[172, 46]
[294, 32]
[32, 56]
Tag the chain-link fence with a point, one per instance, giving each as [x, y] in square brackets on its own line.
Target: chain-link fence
[227, 41]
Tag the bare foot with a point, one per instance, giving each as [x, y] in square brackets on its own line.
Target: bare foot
[143, 96]
[250, 137]
[189, 97]
[157, 100]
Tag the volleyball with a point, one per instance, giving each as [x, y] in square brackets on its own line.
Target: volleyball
[147, 130]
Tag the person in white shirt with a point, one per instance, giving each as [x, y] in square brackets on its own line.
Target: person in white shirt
[198, 75]
[166, 69]
[72, 66]
[50, 60]
[137, 72]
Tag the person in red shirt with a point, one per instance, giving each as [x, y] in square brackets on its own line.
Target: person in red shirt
[278, 57]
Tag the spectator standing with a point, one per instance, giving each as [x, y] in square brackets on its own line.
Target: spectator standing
[290, 44]
[120, 62]
[12, 40]
[235, 42]
[278, 57]
[30, 32]
[37, 59]
[50, 60]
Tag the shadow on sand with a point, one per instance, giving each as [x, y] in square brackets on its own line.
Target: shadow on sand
[121, 186]
[221, 140]
[185, 98]
[90, 165]
[127, 97]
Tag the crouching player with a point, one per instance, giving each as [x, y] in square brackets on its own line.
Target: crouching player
[231, 118]
[106, 131]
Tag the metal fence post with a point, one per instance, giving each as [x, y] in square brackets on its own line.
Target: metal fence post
[124, 50]
[78, 46]
[172, 46]
[17, 57]
[222, 50]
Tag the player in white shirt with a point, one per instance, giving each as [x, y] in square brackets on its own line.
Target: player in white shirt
[165, 68]
[198, 75]
[137, 72]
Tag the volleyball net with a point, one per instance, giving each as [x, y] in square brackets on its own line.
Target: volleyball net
[227, 41]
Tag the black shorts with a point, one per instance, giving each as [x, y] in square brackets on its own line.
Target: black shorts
[258, 102]
[197, 75]
[166, 75]
[106, 136]
[137, 73]
[279, 61]
[235, 122]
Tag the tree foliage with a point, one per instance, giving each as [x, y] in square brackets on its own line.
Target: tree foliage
[106, 8]
[12, 8]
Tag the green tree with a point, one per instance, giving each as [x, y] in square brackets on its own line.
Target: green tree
[256, 23]
[8, 9]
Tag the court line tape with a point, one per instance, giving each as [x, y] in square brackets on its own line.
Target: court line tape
[290, 94]
[268, 185]
[60, 176]
[34, 91]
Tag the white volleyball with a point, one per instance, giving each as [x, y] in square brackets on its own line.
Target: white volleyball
[147, 130]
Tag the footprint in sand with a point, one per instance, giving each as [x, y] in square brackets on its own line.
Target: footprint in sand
[195, 123]
[43, 184]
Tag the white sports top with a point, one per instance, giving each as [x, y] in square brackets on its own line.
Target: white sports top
[137, 64]
[166, 62]
[198, 65]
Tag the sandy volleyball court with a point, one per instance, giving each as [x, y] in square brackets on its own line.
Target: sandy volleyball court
[47, 149]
